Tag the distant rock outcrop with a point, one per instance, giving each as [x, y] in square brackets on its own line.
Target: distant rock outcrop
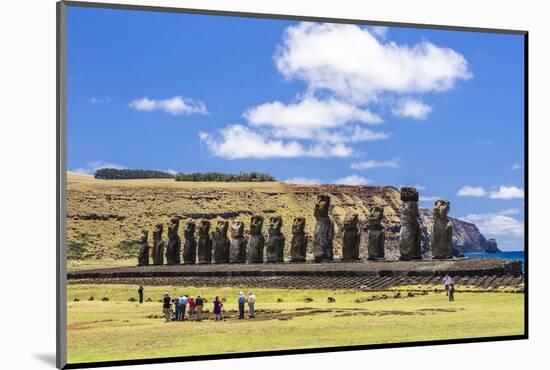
[492, 246]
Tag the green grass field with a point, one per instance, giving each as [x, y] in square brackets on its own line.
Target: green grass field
[286, 319]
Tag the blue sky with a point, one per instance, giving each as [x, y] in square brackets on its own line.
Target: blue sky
[305, 102]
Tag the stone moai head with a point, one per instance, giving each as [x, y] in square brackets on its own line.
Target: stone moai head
[322, 205]
[350, 221]
[275, 224]
[189, 230]
[299, 225]
[144, 236]
[375, 216]
[442, 208]
[157, 234]
[174, 224]
[204, 228]
[237, 229]
[256, 223]
[409, 194]
[221, 228]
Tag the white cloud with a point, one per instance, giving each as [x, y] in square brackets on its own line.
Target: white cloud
[175, 106]
[353, 180]
[429, 198]
[393, 163]
[498, 223]
[92, 167]
[517, 166]
[416, 186]
[351, 62]
[308, 113]
[509, 211]
[507, 192]
[380, 31]
[471, 191]
[104, 100]
[303, 181]
[348, 71]
[349, 134]
[412, 108]
[170, 171]
[237, 142]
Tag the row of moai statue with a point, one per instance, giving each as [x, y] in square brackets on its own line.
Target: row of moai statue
[218, 248]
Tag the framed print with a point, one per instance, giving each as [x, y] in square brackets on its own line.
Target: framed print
[236, 184]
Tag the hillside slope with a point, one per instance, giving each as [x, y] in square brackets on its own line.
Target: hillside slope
[105, 217]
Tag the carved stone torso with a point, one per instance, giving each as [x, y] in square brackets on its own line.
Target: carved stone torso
[374, 233]
[324, 230]
[143, 258]
[350, 238]
[237, 249]
[173, 249]
[298, 244]
[442, 231]
[409, 236]
[190, 244]
[158, 245]
[256, 241]
[205, 243]
[276, 240]
[221, 243]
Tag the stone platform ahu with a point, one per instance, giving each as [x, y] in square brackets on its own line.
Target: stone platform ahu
[252, 246]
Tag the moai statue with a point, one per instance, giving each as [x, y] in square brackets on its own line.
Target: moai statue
[409, 236]
[442, 231]
[143, 258]
[298, 244]
[276, 241]
[158, 245]
[324, 230]
[237, 249]
[350, 238]
[173, 249]
[221, 243]
[205, 243]
[190, 244]
[374, 233]
[256, 241]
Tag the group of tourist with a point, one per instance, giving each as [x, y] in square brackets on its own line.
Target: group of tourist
[175, 309]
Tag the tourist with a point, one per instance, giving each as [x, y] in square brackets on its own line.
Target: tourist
[166, 305]
[177, 306]
[251, 302]
[447, 281]
[451, 293]
[217, 309]
[241, 301]
[140, 293]
[192, 306]
[183, 304]
[199, 303]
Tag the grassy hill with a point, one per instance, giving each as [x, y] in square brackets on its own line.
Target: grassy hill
[105, 217]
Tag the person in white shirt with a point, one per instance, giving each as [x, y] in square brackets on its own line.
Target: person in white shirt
[183, 305]
[447, 281]
[251, 301]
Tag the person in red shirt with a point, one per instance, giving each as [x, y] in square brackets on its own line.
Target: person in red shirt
[192, 306]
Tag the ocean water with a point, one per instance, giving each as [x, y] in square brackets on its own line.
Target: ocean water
[511, 255]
